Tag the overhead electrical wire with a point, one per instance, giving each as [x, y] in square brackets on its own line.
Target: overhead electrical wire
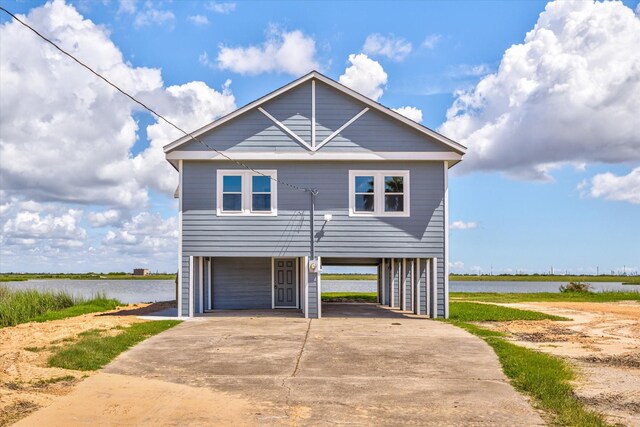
[153, 112]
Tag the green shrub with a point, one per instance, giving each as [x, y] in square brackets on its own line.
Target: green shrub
[579, 287]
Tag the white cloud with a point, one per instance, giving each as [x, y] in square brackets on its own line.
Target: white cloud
[412, 113]
[190, 106]
[290, 52]
[365, 76]
[101, 219]
[394, 48]
[199, 20]
[569, 94]
[31, 225]
[457, 265]
[625, 188]
[144, 232]
[150, 15]
[127, 6]
[465, 70]
[461, 225]
[80, 132]
[431, 41]
[223, 8]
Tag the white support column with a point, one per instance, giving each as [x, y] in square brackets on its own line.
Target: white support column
[392, 284]
[201, 284]
[305, 276]
[191, 296]
[319, 280]
[209, 304]
[179, 285]
[403, 285]
[417, 304]
[446, 240]
[434, 287]
[427, 284]
[273, 284]
[383, 276]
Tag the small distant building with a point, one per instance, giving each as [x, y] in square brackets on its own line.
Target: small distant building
[140, 271]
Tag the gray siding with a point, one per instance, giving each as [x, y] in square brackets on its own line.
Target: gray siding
[374, 131]
[241, 283]
[287, 234]
[419, 236]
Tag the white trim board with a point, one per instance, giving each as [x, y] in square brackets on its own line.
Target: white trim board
[311, 156]
[314, 75]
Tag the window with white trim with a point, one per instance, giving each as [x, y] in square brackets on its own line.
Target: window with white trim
[245, 192]
[379, 193]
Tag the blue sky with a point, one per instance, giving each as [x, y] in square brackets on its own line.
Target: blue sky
[552, 178]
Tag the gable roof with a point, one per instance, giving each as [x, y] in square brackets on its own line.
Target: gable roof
[454, 146]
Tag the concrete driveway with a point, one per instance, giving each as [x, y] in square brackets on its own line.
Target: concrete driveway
[375, 367]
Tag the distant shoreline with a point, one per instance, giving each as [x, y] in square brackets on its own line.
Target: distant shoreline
[627, 280]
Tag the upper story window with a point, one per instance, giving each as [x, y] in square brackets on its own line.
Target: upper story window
[379, 193]
[244, 192]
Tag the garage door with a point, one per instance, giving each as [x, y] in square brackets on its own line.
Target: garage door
[241, 283]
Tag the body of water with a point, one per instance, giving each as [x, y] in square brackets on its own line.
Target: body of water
[127, 291]
[477, 286]
[132, 291]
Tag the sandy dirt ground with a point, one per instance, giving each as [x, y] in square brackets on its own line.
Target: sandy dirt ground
[26, 382]
[602, 342]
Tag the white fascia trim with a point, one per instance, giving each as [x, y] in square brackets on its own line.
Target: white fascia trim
[285, 128]
[341, 128]
[438, 156]
[247, 191]
[378, 186]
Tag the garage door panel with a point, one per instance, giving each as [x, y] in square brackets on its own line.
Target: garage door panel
[241, 283]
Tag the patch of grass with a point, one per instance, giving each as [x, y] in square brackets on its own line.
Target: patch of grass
[20, 306]
[546, 296]
[92, 350]
[95, 305]
[350, 277]
[477, 312]
[543, 377]
[54, 380]
[542, 278]
[349, 297]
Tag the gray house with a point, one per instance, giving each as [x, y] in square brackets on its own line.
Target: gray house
[245, 207]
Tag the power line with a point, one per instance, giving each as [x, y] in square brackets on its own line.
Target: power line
[158, 115]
